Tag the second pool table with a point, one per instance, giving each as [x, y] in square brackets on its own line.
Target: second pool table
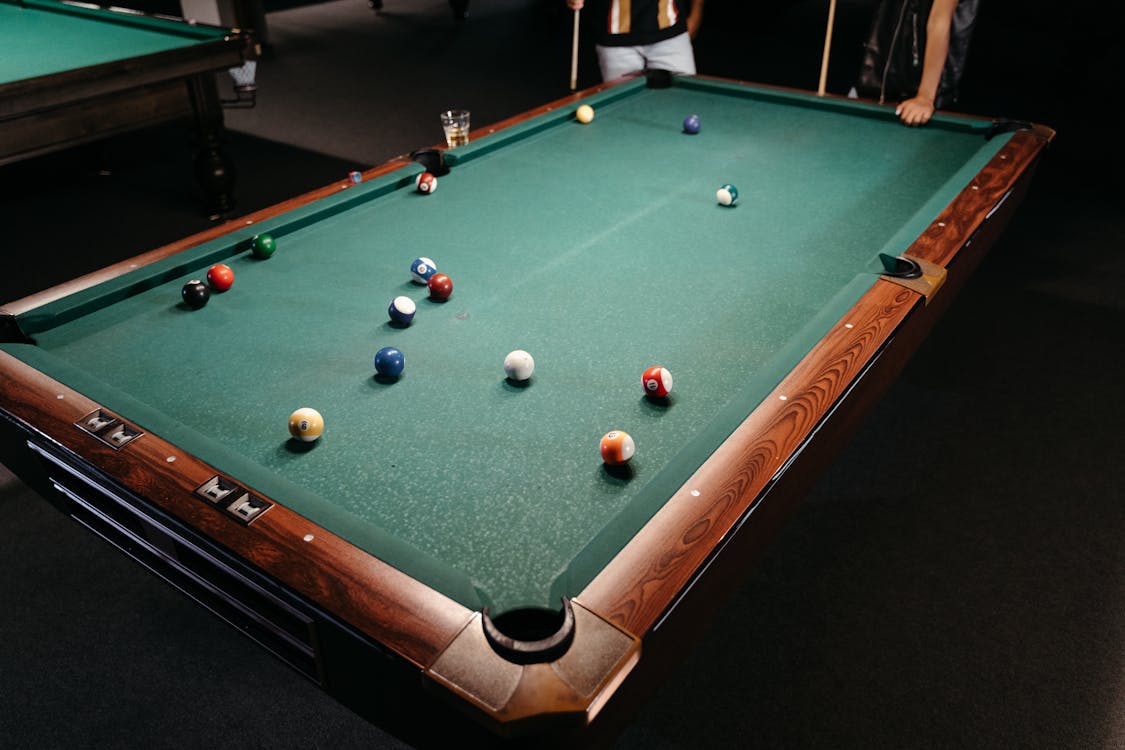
[73, 72]
[454, 538]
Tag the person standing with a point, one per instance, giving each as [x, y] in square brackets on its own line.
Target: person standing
[915, 54]
[637, 35]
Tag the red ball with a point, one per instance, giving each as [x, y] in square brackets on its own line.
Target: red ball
[220, 277]
[425, 182]
[657, 381]
[440, 285]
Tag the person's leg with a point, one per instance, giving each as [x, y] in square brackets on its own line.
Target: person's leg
[619, 61]
[675, 55]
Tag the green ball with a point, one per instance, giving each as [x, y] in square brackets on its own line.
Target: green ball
[263, 245]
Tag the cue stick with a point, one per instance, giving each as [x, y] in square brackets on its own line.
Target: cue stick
[827, 47]
[574, 54]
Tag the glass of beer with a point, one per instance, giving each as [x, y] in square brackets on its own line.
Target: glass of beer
[455, 123]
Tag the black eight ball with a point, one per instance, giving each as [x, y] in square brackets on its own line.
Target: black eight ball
[195, 294]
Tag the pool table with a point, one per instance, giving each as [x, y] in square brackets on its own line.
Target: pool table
[454, 541]
[74, 72]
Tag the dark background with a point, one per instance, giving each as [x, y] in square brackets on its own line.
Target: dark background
[957, 579]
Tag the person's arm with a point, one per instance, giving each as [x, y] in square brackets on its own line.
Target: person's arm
[695, 17]
[920, 108]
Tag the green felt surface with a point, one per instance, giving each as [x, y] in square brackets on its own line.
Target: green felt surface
[599, 248]
[45, 37]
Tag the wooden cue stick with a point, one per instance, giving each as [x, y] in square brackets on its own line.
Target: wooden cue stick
[574, 54]
[827, 47]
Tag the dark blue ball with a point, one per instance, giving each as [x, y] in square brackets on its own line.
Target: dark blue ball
[389, 362]
[691, 124]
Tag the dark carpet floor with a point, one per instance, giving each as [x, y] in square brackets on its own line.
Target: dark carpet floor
[955, 580]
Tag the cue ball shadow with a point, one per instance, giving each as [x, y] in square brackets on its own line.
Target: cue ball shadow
[515, 386]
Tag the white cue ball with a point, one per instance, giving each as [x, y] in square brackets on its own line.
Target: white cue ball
[519, 365]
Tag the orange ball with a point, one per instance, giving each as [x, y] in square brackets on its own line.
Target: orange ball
[617, 447]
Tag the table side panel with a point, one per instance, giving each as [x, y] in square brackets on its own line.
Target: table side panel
[85, 120]
[29, 95]
[376, 599]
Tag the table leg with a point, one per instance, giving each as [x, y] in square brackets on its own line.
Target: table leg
[214, 170]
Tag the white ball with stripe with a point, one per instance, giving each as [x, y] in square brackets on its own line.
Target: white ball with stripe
[657, 381]
[422, 269]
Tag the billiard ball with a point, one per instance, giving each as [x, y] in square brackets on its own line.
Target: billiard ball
[389, 362]
[441, 286]
[519, 365]
[220, 277]
[306, 424]
[584, 114]
[401, 310]
[617, 447]
[657, 381]
[263, 245]
[195, 294]
[691, 124]
[727, 195]
[422, 269]
[425, 183]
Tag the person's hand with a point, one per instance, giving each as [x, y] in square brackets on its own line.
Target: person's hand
[575, 4]
[915, 111]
